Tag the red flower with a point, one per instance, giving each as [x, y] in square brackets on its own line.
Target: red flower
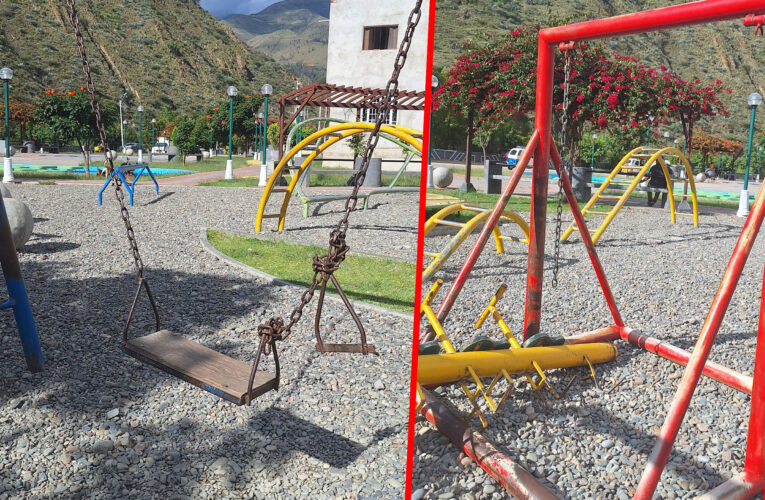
[613, 100]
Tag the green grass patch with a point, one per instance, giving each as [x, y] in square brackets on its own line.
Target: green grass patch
[235, 182]
[383, 282]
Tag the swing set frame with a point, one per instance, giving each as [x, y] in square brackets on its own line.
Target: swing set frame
[751, 481]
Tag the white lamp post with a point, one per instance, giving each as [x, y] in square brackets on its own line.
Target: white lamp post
[5, 75]
[266, 90]
[232, 92]
[433, 85]
[753, 101]
[140, 143]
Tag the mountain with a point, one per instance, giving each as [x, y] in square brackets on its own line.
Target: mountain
[727, 50]
[166, 53]
[293, 32]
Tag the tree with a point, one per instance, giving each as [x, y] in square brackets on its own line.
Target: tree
[688, 101]
[189, 135]
[495, 81]
[22, 113]
[69, 117]
[707, 144]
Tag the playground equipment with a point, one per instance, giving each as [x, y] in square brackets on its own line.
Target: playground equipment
[630, 185]
[481, 214]
[336, 133]
[226, 377]
[751, 481]
[18, 300]
[307, 198]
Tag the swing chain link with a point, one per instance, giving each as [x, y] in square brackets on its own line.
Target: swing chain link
[325, 266]
[564, 125]
[74, 20]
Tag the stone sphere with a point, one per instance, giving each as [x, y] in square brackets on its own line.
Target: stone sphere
[701, 177]
[21, 221]
[114, 154]
[129, 151]
[205, 153]
[442, 177]
[12, 150]
[5, 191]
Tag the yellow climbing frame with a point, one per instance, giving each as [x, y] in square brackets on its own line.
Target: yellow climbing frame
[336, 133]
[439, 218]
[650, 156]
[458, 367]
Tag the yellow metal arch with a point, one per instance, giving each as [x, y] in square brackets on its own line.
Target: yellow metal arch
[638, 152]
[465, 230]
[337, 133]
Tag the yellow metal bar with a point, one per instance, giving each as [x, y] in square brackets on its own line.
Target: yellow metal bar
[427, 310]
[345, 130]
[601, 190]
[434, 369]
[466, 229]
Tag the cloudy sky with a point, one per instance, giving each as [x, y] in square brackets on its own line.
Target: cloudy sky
[224, 8]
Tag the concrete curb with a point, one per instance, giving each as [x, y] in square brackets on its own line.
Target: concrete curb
[279, 282]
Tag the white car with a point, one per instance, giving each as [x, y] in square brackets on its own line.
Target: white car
[514, 155]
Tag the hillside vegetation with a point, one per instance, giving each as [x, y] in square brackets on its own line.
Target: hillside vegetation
[293, 32]
[165, 53]
[726, 50]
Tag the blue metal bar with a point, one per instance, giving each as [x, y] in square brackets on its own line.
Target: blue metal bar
[17, 292]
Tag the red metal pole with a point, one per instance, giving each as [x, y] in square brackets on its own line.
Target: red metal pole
[543, 124]
[586, 239]
[483, 237]
[674, 16]
[754, 466]
[514, 478]
[692, 373]
[713, 370]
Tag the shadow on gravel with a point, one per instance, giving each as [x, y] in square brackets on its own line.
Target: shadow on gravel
[47, 248]
[712, 232]
[160, 197]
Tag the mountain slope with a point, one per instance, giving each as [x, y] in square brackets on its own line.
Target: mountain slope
[167, 53]
[293, 32]
[726, 50]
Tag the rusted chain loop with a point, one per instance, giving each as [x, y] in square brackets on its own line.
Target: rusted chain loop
[271, 331]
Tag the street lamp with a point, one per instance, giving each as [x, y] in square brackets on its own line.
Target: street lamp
[153, 137]
[666, 138]
[232, 92]
[592, 156]
[140, 143]
[753, 101]
[266, 90]
[433, 85]
[261, 139]
[759, 163]
[5, 75]
[648, 130]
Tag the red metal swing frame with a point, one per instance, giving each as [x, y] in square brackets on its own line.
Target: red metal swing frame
[751, 481]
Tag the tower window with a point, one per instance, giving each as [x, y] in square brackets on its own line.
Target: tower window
[380, 37]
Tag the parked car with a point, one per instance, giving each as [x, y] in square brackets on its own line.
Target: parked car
[632, 166]
[514, 154]
[132, 145]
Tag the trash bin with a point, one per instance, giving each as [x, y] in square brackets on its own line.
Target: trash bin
[581, 183]
[491, 170]
[374, 172]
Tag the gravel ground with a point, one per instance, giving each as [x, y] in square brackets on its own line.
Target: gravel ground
[592, 444]
[98, 424]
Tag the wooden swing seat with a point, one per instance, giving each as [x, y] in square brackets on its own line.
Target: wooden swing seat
[212, 371]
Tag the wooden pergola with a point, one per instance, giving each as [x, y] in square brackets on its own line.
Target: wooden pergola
[325, 95]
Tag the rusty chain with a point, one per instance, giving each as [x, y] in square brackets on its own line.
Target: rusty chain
[564, 126]
[74, 20]
[323, 267]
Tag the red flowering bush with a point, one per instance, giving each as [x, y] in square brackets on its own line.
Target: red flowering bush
[495, 81]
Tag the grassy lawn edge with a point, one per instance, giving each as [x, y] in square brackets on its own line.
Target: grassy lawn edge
[390, 286]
